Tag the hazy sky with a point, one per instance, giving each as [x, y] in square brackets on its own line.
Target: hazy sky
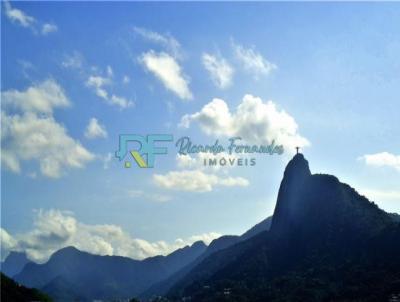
[77, 75]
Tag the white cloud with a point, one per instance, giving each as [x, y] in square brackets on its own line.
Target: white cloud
[120, 101]
[55, 229]
[7, 243]
[30, 132]
[382, 159]
[194, 176]
[255, 121]
[48, 28]
[196, 181]
[168, 71]
[30, 137]
[40, 98]
[167, 40]
[18, 16]
[220, 71]
[95, 130]
[99, 84]
[206, 238]
[253, 61]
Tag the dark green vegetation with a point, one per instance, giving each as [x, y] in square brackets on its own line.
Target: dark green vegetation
[13, 292]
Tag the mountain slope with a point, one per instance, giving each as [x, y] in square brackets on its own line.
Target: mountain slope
[264, 225]
[221, 243]
[73, 272]
[13, 292]
[322, 233]
[14, 263]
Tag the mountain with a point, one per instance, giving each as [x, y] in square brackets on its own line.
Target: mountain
[72, 274]
[264, 225]
[223, 242]
[13, 292]
[63, 290]
[14, 263]
[326, 242]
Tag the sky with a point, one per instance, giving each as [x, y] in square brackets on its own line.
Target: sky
[74, 76]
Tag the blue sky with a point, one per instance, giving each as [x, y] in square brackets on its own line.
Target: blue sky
[330, 70]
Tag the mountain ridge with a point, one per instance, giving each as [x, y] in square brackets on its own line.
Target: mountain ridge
[95, 276]
[324, 241]
[318, 222]
[14, 263]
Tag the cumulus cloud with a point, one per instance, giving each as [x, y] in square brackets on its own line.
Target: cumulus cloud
[196, 181]
[30, 132]
[220, 71]
[40, 98]
[166, 68]
[382, 159]
[21, 18]
[8, 243]
[100, 85]
[193, 176]
[164, 64]
[255, 121]
[167, 40]
[55, 229]
[95, 130]
[30, 137]
[252, 61]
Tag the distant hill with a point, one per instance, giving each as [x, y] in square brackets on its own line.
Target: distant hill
[221, 243]
[71, 273]
[14, 263]
[13, 292]
[326, 243]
